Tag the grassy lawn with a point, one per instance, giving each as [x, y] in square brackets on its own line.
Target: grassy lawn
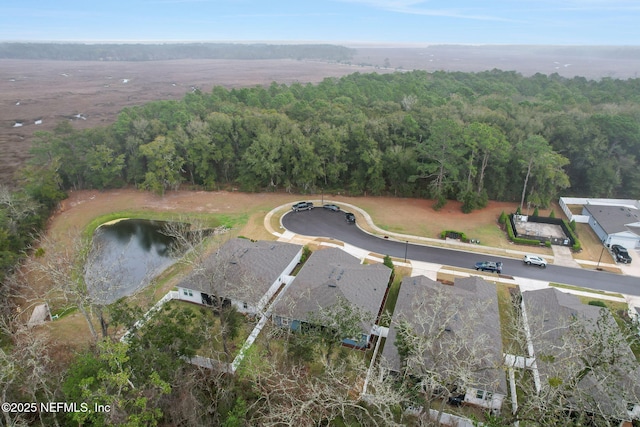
[591, 245]
[508, 321]
[273, 345]
[591, 291]
[575, 209]
[392, 296]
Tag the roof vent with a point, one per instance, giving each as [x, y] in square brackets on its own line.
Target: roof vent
[333, 285]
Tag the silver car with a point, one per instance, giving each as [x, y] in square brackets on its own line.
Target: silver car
[535, 260]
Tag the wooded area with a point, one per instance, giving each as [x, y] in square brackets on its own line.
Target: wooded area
[472, 137]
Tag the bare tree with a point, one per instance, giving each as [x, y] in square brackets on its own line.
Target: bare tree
[27, 374]
[439, 346]
[216, 273]
[292, 396]
[337, 322]
[581, 365]
[61, 272]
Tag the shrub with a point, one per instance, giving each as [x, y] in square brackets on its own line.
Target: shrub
[576, 243]
[388, 262]
[597, 303]
[572, 225]
[552, 214]
[305, 254]
[536, 212]
[440, 202]
[461, 235]
[503, 218]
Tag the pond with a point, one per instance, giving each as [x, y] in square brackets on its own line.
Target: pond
[125, 256]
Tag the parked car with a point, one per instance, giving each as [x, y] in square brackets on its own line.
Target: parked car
[456, 400]
[302, 206]
[620, 254]
[535, 260]
[494, 267]
[351, 218]
[334, 208]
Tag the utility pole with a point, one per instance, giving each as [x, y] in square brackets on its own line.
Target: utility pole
[600, 259]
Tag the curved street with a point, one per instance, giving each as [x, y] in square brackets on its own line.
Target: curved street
[320, 222]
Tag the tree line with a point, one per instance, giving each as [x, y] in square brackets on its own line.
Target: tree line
[170, 51]
[466, 136]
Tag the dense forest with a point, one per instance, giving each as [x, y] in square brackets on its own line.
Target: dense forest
[170, 51]
[466, 136]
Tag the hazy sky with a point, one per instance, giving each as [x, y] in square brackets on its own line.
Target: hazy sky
[582, 22]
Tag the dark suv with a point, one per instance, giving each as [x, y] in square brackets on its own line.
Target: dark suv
[302, 206]
[494, 267]
[620, 254]
[351, 218]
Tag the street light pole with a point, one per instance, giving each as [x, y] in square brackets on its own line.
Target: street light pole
[406, 246]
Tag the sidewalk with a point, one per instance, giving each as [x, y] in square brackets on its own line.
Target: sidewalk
[562, 256]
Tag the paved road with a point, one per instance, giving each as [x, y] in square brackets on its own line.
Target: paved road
[321, 222]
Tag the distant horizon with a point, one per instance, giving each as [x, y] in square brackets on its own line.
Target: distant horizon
[371, 22]
[351, 44]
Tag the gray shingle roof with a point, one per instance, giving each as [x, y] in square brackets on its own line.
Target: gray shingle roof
[466, 292]
[614, 219]
[241, 269]
[329, 274]
[550, 313]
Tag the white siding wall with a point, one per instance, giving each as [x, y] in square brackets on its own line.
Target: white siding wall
[493, 403]
[190, 295]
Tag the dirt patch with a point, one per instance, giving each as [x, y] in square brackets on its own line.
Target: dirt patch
[405, 215]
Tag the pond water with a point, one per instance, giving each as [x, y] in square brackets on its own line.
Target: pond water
[125, 256]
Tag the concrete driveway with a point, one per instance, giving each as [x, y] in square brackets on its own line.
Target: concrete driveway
[632, 269]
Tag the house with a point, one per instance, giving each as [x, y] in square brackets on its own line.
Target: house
[328, 276]
[244, 273]
[581, 346]
[615, 224]
[462, 316]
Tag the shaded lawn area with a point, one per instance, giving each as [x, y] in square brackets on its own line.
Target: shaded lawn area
[509, 323]
[392, 296]
[212, 347]
[277, 345]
